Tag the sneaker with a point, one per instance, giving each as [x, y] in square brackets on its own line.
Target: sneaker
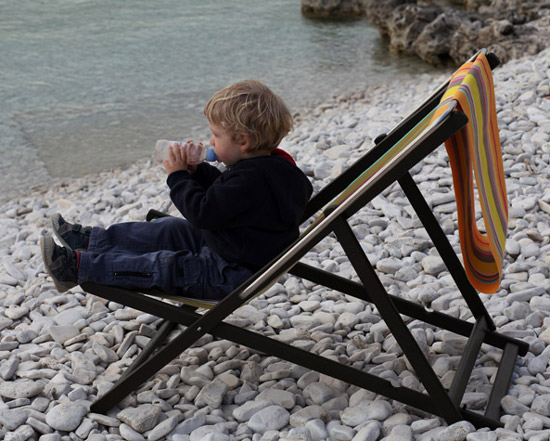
[73, 236]
[61, 263]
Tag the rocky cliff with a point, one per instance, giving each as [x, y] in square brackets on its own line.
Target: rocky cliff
[438, 31]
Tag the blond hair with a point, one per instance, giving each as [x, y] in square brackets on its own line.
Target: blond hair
[250, 108]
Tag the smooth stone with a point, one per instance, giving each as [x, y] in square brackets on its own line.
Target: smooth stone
[68, 317]
[16, 312]
[457, 431]
[6, 279]
[319, 392]
[433, 265]
[346, 320]
[66, 416]
[482, 436]
[245, 412]
[518, 311]
[62, 333]
[215, 436]
[540, 303]
[317, 430]
[85, 428]
[545, 336]
[309, 305]
[21, 389]
[11, 419]
[537, 365]
[541, 405]
[199, 433]
[13, 270]
[277, 396]
[302, 416]
[389, 265]
[130, 434]
[323, 170]
[103, 419]
[212, 394]
[163, 429]
[513, 406]
[53, 437]
[370, 432]
[400, 432]
[106, 355]
[397, 419]
[8, 368]
[270, 418]
[8, 345]
[339, 432]
[5, 322]
[368, 410]
[191, 424]
[251, 313]
[38, 425]
[421, 426]
[141, 418]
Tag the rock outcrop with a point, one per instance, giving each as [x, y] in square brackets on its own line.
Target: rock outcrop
[452, 30]
[333, 8]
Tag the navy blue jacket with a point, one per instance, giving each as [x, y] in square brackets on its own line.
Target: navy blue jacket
[250, 212]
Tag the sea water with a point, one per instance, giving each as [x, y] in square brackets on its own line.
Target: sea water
[89, 85]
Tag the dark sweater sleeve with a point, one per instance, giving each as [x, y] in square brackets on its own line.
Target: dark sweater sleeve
[212, 207]
[206, 174]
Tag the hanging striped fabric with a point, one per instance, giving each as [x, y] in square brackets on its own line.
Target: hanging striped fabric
[477, 147]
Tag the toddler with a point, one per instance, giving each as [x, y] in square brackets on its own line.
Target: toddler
[233, 222]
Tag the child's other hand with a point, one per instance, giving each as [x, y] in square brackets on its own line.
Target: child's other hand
[177, 159]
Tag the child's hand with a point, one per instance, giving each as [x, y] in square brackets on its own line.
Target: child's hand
[177, 159]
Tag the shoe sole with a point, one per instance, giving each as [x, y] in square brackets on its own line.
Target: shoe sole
[46, 246]
[54, 220]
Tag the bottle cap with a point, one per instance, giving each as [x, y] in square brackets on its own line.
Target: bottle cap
[211, 155]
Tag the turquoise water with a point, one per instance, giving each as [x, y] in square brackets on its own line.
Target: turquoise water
[88, 85]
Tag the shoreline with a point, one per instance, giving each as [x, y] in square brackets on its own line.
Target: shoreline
[59, 351]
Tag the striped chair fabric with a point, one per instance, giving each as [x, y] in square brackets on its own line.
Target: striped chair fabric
[477, 147]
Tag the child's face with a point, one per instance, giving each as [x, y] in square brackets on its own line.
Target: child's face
[227, 150]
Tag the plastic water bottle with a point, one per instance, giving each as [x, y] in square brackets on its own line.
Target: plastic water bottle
[196, 153]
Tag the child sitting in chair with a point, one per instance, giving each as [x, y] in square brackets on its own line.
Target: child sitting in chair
[234, 222]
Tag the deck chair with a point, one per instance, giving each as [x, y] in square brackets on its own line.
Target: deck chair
[459, 114]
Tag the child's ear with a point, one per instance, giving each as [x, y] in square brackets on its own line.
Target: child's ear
[243, 140]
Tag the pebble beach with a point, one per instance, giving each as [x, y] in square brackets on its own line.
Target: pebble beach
[58, 352]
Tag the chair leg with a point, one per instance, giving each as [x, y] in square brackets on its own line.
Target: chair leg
[467, 361]
[448, 410]
[165, 328]
[502, 380]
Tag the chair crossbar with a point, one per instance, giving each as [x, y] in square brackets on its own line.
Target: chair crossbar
[405, 307]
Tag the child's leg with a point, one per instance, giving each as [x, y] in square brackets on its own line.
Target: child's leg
[203, 275]
[169, 233]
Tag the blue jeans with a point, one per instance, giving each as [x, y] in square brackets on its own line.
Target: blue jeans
[169, 254]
